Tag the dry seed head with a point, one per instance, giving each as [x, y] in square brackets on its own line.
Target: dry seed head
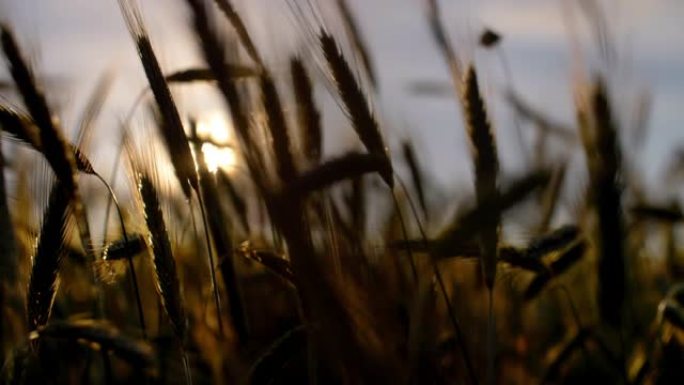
[47, 258]
[354, 100]
[166, 276]
[486, 164]
[171, 127]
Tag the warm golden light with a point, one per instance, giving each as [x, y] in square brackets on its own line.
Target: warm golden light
[218, 157]
[215, 128]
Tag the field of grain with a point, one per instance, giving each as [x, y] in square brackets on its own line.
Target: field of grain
[268, 260]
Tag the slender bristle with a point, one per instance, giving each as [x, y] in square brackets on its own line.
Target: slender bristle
[236, 21]
[355, 35]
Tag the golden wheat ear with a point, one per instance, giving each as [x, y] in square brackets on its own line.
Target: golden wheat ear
[356, 37]
[58, 153]
[47, 259]
[363, 121]
[171, 128]
[486, 165]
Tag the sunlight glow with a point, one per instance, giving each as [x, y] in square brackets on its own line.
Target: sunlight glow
[215, 128]
[219, 157]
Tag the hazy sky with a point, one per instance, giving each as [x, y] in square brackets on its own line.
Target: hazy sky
[73, 42]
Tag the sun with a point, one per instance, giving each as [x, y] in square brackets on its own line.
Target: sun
[219, 157]
[218, 152]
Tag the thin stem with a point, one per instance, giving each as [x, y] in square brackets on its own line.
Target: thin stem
[405, 235]
[129, 258]
[442, 287]
[212, 268]
[491, 339]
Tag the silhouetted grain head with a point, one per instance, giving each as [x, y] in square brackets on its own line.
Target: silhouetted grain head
[308, 116]
[354, 100]
[606, 174]
[349, 166]
[566, 259]
[213, 49]
[52, 143]
[47, 258]
[124, 248]
[192, 75]
[552, 241]
[356, 37]
[166, 276]
[23, 129]
[171, 127]
[486, 166]
[20, 127]
[56, 150]
[277, 125]
[270, 260]
[672, 214]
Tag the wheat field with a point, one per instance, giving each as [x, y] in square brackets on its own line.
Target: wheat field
[269, 260]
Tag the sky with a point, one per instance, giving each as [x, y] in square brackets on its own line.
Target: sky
[545, 42]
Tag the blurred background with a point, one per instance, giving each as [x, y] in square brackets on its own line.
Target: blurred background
[546, 44]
